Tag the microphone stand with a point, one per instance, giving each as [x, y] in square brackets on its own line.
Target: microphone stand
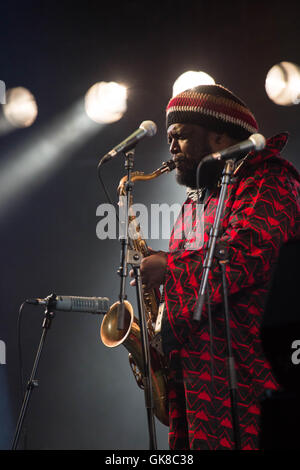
[133, 257]
[222, 255]
[33, 383]
[129, 162]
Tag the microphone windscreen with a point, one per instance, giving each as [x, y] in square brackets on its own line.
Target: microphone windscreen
[258, 140]
[150, 127]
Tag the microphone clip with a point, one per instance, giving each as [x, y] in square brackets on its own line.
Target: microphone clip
[48, 301]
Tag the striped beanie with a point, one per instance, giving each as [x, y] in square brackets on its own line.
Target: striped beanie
[213, 107]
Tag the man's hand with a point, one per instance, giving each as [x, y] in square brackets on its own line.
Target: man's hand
[153, 269]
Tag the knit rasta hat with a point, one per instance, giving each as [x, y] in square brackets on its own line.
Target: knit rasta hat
[213, 107]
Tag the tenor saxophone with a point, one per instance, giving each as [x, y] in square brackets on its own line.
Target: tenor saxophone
[130, 336]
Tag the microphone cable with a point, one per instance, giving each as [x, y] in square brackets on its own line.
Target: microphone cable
[21, 369]
[105, 190]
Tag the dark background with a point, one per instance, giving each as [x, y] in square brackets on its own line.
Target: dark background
[87, 397]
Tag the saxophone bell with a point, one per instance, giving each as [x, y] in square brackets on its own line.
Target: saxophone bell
[111, 336]
[130, 338]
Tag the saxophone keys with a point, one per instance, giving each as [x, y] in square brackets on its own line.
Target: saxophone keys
[136, 371]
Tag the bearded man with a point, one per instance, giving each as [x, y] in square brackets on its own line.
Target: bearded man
[261, 213]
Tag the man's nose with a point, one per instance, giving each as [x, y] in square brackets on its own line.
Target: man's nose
[174, 147]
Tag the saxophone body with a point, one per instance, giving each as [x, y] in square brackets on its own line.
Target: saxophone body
[130, 336]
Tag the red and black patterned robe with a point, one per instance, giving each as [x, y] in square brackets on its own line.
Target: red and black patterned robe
[261, 213]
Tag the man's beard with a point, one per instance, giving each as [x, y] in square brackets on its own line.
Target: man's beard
[209, 175]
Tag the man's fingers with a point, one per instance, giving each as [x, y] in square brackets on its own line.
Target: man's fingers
[131, 274]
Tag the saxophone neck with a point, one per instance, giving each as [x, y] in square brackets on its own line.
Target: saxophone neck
[166, 167]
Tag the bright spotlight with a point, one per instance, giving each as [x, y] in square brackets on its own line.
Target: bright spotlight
[20, 109]
[191, 79]
[106, 102]
[283, 84]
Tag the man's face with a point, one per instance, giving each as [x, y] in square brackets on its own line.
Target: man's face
[188, 145]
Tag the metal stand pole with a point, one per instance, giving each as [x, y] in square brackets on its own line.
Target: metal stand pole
[134, 260]
[129, 161]
[223, 256]
[227, 172]
[133, 257]
[33, 383]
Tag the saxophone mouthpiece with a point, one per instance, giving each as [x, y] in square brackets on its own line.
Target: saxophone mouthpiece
[167, 166]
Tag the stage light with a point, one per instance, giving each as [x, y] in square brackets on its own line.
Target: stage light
[191, 79]
[283, 84]
[21, 108]
[106, 102]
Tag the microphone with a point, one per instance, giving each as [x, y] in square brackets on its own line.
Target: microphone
[72, 303]
[147, 128]
[255, 142]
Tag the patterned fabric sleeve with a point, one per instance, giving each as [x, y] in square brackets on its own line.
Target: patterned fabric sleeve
[264, 214]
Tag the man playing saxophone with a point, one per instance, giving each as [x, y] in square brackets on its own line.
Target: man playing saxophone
[261, 212]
